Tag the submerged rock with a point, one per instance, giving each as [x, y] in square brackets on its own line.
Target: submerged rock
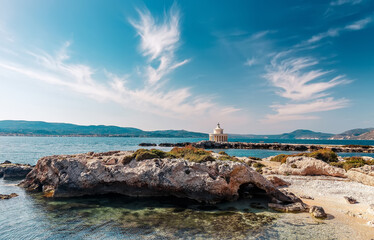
[290, 208]
[14, 171]
[309, 166]
[364, 174]
[8, 196]
[94, 174]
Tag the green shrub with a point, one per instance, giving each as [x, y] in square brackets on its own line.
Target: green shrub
[228, 158]
[192, 154]
[280, 158]
[325, 155]
[258, 167]
[223, 153]
[352, 162]
[143, 154]
[127, 159]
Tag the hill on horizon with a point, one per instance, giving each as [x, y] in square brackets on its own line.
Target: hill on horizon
[40, 128]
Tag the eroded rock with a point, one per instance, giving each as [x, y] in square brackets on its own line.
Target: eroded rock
[95, 174]
[364, 174]
[278, 182]
[304, 166]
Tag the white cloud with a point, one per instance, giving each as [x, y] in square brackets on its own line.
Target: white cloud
[297, 82]
[250, 62]
[58, 69]
[159, 41]
[305, 87]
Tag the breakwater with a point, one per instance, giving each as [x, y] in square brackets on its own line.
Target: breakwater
[266, 146]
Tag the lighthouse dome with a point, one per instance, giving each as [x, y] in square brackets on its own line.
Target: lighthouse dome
[218, 129]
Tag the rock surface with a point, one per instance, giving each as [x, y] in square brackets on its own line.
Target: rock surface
[278, 182]
[112, 172]
[350, 200]
[8, 196]
[290, 208]
[14, 171]
[309, 166]
[317, 212]
[269, 146]
[364, 174]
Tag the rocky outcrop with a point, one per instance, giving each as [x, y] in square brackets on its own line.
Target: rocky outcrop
[278, 182]
[116, 172]
[364, 174]
[309, 166]
[10, 170]
[8, 196]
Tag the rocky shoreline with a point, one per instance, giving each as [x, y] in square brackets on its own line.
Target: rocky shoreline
[266, 146]
[297, 183]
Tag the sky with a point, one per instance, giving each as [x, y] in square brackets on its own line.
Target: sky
[261, 67]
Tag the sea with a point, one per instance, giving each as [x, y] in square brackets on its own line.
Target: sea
[31, 216]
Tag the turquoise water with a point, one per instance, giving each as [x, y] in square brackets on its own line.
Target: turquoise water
[30, 216]
[30, 149]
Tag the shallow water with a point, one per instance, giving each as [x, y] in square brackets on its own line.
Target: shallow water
[30, 149]
[30, 216]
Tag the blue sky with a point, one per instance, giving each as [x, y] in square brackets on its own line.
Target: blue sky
[255, 66]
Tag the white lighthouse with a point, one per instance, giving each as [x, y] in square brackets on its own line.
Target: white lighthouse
[218, 135]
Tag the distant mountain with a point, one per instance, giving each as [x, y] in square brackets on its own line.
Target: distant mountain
[355, 134]
[305, 134]
[38, 128]
[366, 136]
[297, 134]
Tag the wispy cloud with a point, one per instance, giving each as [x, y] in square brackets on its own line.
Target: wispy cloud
[359, 24]
[305, 87]
[342, 2]
[301, 111]
[334, 32]
[158, 42]
[296, 82]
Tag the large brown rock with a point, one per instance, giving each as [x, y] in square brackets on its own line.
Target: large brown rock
[364, 174]
[308, 166]
[94, 174]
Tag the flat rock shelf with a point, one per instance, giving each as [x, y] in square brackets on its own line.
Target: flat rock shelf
[266, 146]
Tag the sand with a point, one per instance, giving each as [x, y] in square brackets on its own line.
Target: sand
[329, 193]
